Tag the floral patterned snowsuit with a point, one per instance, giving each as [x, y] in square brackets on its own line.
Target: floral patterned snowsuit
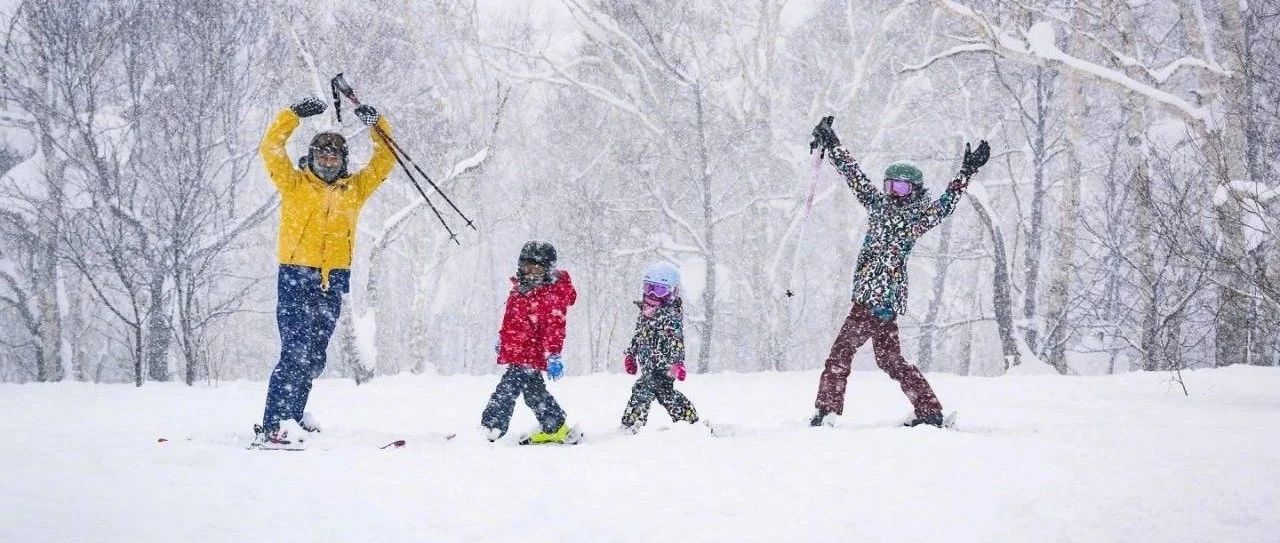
[880, 287]
[658, 344]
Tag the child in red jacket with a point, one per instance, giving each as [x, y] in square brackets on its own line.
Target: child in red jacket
[530, 340]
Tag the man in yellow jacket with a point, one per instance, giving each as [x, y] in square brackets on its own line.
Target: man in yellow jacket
[319, 205]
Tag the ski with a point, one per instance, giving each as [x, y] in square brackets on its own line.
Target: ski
[714, 429]
[574, 437]
[388, 443]
[257, 447]
[834, 421]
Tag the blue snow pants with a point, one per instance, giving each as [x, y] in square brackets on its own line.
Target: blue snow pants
[306, 316]
[516, 381]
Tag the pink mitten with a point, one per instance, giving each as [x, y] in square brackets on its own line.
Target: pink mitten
[629, 364]
[677, 371]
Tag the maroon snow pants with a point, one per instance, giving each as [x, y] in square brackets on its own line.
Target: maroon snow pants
[858, 327]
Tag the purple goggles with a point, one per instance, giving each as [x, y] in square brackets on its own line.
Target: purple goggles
[656, 289]
[898, 187]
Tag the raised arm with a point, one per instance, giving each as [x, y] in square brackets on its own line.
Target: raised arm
[279, 167]
[939, 209]
[379, 167]
[272, 148]
[946, 204]
[824, 138]
[862, 186]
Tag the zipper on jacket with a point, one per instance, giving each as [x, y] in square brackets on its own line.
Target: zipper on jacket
[324, 238]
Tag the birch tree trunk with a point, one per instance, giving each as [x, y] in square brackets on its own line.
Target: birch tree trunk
[157, 329]
[1002, 299]
[350, 344]
[965, 356]
[1035, 234]
[1063, 262]
[929, 330]
[709, 240]
[1226, 145]
[1140, 179]
[47, 283]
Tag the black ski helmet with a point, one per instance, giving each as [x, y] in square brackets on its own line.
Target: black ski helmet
[543, 254]
[329, 141]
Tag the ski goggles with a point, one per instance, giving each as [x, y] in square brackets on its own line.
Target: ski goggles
[658, 290]
[898, 187]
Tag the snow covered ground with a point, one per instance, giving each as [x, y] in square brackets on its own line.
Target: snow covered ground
[1033, 458]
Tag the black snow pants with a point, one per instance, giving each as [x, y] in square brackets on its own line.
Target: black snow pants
[516, 381]
[650, 386]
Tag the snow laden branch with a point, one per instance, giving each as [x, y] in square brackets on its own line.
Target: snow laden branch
[974, 47]
[560, 75]
[1159, 75]
[674, 217]
[395, 223]
[1037, 45]
[595, 23]
[246, 223]
[469, 165]
[748, 205]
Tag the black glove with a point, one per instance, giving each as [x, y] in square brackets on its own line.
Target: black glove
[367, 114]
[974, 159]
[824, 137]
[308, 106]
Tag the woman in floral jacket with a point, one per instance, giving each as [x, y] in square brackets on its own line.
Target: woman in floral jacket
[896, 218]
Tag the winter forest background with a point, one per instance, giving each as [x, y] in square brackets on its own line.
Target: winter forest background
[1127, 220]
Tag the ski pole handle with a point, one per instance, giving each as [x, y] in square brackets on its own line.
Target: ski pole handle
[340, 84]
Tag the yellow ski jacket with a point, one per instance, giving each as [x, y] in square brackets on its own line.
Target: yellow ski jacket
[318, 219]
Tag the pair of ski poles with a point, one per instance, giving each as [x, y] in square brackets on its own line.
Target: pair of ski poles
[340, 88]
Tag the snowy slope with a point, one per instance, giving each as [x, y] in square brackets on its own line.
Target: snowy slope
[1034, 458]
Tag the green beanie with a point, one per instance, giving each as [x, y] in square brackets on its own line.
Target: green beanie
[904, 170]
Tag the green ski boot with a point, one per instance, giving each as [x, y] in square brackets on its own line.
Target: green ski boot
[564, 436]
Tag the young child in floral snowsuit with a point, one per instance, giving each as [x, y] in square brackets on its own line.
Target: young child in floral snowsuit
[896, 218]
[657, 351]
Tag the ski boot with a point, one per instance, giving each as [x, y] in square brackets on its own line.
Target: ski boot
[934, 420]
[309, 423]
[277, 439]
[494, 434]
[564, 435]
[822, 418]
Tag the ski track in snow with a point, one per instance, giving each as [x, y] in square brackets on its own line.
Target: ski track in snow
[1032, 458]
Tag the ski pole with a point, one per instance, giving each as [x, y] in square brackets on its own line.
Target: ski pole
[340, 84]
[336, 84]
[452, 236]
[804, 221]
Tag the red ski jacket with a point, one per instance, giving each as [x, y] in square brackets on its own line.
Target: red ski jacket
[533, 324]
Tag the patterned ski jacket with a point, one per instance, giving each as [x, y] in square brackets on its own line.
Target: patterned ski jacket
[659, 340]
[534, 321]
[880, 279]
[318, 219]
